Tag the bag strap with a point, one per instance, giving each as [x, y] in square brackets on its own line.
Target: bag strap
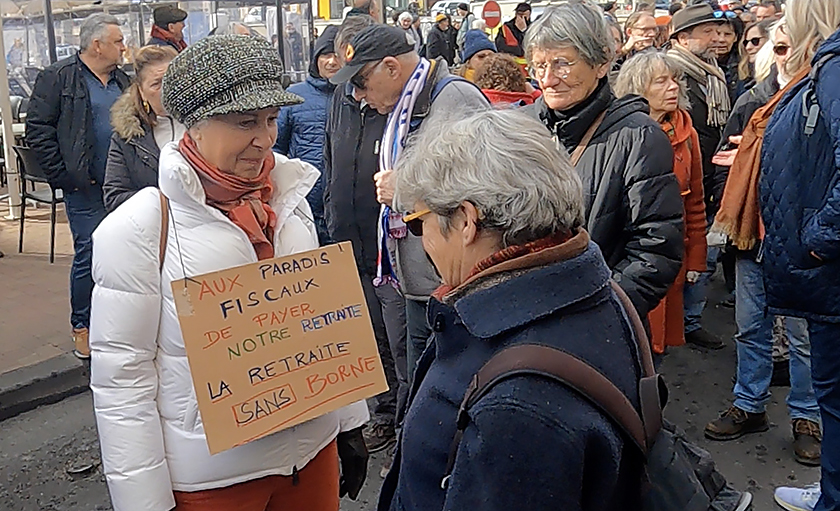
[580, 376]
[164, 228]
[587, 137]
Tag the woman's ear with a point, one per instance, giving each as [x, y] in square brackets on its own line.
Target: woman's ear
[469, 231]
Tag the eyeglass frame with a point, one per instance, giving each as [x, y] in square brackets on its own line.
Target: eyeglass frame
[755, 41]
[777, 47]
[359, 82]
[414, 222]
[536, 71]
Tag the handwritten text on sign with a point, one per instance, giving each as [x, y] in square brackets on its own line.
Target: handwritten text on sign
[276, 343]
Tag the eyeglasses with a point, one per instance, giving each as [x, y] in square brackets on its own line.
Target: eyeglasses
[359, 80]
[755, 41]
[559, 67]
[414, 222]
[781, 49]
[725, 14]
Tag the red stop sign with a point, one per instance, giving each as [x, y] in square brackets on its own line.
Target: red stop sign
[492, 14]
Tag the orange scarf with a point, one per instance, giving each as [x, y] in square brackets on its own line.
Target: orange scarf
[738, 216]
[244, 201]
[167, 36]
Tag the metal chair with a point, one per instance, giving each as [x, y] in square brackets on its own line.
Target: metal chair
[31, 171]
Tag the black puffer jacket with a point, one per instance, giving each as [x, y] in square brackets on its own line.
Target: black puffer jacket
[133, 155]
[59, 123]
[351, 158]
[632, 201]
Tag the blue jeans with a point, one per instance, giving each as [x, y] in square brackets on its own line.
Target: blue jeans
[419, 332]
[85, 209]
[754, 342]
[825, 369]
[695, 295]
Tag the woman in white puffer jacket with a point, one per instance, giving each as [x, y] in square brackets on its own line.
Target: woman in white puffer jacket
[231, 201]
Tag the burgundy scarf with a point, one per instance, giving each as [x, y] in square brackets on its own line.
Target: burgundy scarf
[168, 37]
[244, 201]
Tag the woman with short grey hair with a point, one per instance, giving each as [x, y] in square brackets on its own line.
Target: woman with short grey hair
[501, 217]
[657, 77]
[632, 205]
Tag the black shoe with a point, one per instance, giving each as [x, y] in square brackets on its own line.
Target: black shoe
[729, 302]
[704, 339]
[378, 436]
[735, 423]
[781, 374]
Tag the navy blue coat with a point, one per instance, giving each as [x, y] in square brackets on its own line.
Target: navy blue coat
[531, 444]
[300, 134]
[800, 199]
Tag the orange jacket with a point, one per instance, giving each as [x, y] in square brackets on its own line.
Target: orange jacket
[688, 169]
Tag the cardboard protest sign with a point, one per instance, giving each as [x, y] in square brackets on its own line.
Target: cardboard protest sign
[278, 342]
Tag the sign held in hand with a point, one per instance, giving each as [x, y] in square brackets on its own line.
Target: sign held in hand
[276, 343]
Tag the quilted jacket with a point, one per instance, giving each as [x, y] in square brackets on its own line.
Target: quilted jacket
[300, 134]
[150, 428]
[632, 202]
[800, 198]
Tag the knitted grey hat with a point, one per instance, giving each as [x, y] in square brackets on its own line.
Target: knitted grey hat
[224, 74]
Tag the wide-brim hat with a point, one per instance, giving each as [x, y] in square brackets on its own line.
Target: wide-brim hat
[693, 15]
[224, 74]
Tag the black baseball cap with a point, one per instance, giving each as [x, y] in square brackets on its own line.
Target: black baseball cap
[167, 14]
[370, 45]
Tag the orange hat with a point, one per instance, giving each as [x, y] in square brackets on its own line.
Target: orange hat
[661, 21]
[440, 17]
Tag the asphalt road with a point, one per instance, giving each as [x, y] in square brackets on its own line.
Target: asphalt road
[49, 458]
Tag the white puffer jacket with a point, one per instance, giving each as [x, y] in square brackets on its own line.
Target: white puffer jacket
[151, 432]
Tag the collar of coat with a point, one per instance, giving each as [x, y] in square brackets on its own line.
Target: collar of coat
[531, 287]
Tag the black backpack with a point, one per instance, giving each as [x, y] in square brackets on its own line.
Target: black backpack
[680, 476]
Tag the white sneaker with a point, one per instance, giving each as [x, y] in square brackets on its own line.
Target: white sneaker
[798, 499]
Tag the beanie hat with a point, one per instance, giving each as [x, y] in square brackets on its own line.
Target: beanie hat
[474, 42]
[224, 74]
[464, 6]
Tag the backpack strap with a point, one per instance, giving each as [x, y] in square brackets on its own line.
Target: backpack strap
[164, 228]
[580, 376]
[587, 137]
[446, 80]
[810, 106]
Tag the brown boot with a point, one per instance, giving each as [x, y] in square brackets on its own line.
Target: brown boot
[82, 343]
[807, 442]
[735, 423]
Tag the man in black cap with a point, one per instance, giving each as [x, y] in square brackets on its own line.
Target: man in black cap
[509, 39]
[386, 73]
[168, 29]
[351, 159]
[696, 34]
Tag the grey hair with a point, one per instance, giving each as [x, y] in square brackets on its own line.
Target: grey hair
[639, 71]
[93, 27]
[349, 28]
[578, 24]
[232, 26]
[523, 186]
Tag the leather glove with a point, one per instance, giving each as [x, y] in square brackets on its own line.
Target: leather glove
[353, 454]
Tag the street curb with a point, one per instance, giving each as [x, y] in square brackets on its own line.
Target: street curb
[44, 383]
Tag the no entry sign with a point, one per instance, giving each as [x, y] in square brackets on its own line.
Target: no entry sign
[492, 14]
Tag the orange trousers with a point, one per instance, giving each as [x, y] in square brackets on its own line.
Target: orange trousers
[316, 490]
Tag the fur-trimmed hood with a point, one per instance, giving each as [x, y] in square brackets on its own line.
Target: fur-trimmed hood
[124, 119]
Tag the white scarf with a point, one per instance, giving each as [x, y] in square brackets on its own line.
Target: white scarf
[390, 223]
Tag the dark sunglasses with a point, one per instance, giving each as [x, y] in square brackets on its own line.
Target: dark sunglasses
[755, 41]
[727, 14]
[359, 80]
[780, 49]
[414, 222]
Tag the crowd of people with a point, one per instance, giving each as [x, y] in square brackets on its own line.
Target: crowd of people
[494, 191]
